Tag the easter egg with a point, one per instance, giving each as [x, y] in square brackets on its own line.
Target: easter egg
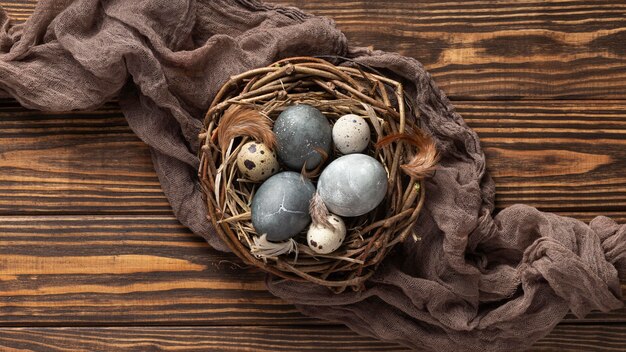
[323, 239]
[353, 185]
[280, 207]
[351, 134]
[300, 130]
[257, 162]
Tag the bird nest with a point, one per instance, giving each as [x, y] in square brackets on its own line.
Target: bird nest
[406, 153]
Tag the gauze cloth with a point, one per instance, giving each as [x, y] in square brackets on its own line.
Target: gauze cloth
[473, 283]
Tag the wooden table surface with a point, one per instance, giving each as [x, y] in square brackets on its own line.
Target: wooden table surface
[91, 257]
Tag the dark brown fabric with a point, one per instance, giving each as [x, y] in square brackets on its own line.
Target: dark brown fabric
[473, 283]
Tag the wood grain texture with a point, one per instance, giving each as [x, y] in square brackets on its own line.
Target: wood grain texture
[262, 338]
[600, 338]
[576, 338]
[496, 49]
[74, 163]
[112, 259]
[557, 156]
[121, 270]
[482, 49]
[563, 157]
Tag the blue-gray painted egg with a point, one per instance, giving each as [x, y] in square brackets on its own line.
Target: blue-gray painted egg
[351, 134]
[280, 207]
[353, 185]
[299, 130]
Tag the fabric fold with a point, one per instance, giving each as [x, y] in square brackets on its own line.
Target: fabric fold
[474, 282]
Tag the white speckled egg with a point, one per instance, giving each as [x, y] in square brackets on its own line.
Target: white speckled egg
[257, 162]
[351, 134]
[325, 240]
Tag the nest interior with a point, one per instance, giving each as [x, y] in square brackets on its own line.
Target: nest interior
[335, 90]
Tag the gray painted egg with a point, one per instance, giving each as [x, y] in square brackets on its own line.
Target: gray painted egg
[299, 130]
[280, 207]
[353, 185]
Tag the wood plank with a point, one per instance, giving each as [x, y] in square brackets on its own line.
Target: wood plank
[74, 163]
[123, 270]
[482, 49]
[496, 49]
[562, 156]
[103, 270]
[238, 338]
[557, 156]
[266, 338]
[597, 337]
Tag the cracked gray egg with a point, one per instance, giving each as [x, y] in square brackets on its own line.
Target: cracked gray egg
[302, 130]
[351, 134]
[326, 239]
[280, 207]
[257, 162]
[353, 185]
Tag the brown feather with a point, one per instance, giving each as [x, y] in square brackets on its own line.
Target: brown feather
[318, 211]
[316, 171]
[240, 121]
[424, 161]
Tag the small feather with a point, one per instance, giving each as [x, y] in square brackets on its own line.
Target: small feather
[240, 121]
[319, 212]
[316, 171]
[263, 249]
[424, 161]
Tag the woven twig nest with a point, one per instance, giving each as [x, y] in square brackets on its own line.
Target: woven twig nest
[405, 152]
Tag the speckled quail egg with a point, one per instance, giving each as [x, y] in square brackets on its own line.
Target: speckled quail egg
[257, 162]
[351, 134]
[323, 239]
